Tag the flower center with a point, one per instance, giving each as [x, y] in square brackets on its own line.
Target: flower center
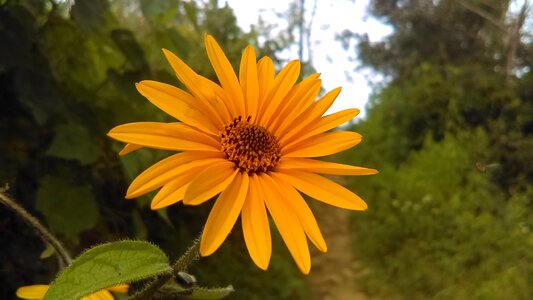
[251, 147]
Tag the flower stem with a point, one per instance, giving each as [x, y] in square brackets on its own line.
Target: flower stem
[60, 252]
[180, 265]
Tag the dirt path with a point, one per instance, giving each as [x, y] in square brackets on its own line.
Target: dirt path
[332, 274]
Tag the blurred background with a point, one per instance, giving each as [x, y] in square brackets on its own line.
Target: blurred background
[448, 122]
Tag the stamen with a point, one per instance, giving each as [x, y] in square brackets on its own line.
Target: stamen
[251, 147]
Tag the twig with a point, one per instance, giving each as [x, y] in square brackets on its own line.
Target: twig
[180, 265]
[62, 255]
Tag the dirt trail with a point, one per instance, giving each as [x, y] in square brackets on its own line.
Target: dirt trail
[332, 274]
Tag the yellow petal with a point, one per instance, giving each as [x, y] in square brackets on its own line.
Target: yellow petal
[119, 288]
[323, 144]
[169, 168]
[287, 130]
[287, 223]
[177, 103]
[322, 167]
[224, 103]
[205, 96]
[225, 73]
[300, 97]
[129, 148]
[255, 225]
[324, 124]
[248, 80]
[265, 74]
[174, 190]
[283, 83]
[309, 88]
[100, 295]
[224, 214]
[210, 182]
[322, 189]
[302, 210]
[166, 136]
[32, 292]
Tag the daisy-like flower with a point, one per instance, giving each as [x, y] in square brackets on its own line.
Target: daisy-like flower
[37, 291]
[250, 139]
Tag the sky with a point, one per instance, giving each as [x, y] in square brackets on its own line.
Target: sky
[337, 66]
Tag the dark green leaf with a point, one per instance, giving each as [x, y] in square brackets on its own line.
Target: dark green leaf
[72, 141]
[69, 209]
[210, 293]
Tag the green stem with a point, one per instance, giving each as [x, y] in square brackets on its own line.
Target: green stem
[181, 264]
[62, 255]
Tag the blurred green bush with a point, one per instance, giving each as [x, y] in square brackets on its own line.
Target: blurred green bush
[451, 212]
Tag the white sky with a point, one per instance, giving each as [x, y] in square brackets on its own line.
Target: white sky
[337, 67]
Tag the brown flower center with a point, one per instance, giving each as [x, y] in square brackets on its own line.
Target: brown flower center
[251, 147]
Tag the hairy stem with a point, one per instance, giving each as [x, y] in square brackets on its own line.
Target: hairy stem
[180, 265]
[62, 255]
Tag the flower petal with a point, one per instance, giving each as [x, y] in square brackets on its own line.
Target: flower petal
[174, 190]
[169, 168]
[322, 167]
[166, 136]
[119, 288]
[177, 103]
[310, 91]
[323, 144]
[32, 292]
[302, 210]
[300, 97]
[226, 106]
[265, 75]
[225, 73]
[224, 214]
[128, 149]
[288, 129]
[210, 182]
[248, 80]
[197, 87]
[287, 223]
[324, 124]
[283, 83]
[255, 226]
[100, 295]
[322, 189]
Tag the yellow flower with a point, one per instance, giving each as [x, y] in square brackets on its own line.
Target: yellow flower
[36, 292]
[251, 139]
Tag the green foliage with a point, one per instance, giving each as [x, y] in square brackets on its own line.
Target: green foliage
[69, 209]
[72, 141]
[208, 294]
[107, 265]
[196, 293]
[450, 214]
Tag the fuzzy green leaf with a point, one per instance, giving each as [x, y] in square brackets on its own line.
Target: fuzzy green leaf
[108, 265]
[210, 293]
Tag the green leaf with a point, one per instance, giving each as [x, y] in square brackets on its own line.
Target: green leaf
[47, 252]
[173, 290]
[73, 141]
[69, 209]
[108, 265]
[210, 293]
